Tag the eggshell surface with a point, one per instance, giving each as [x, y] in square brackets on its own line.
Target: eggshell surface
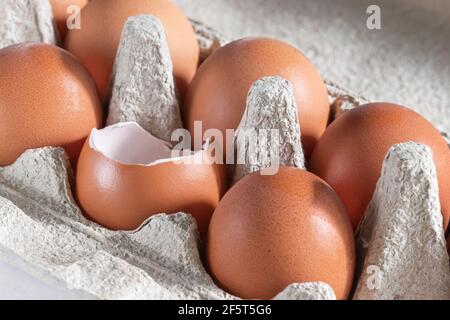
[350, 154]
[96, 43]
[121, 195]
[217, 95]
[61, 14]
[47, 98]
[272, 231]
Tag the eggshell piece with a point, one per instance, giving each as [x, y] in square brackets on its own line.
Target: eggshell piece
[217, 95]
[350, 154]
[47, 98]
[61, 14]
[132, 177]
[96, 43]
[272, 231]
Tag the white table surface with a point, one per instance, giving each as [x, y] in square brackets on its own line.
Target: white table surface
[17, 284]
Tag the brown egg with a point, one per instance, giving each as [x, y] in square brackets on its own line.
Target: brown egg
[96, 43]
[271, 231]
[217, 95]
[350, 154]
[61, 15]
[47, 98]
[125, 175]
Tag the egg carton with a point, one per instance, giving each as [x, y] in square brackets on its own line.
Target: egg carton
[26, 20]
[401, 243]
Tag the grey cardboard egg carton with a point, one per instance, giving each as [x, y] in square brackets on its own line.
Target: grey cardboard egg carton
[29, 20]
[42, 230]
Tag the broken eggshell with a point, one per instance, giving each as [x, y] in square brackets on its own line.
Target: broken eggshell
[125, 175]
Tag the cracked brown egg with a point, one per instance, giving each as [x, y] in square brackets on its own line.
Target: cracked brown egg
[217, 94]
[47, 98]
[272, 231]
[350, 154]
[96, 43]
[125, 175]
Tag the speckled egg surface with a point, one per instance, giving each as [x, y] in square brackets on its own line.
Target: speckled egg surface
[350, 154]
[47, 98]
[271, 231]
[217, 95]
[138, 178]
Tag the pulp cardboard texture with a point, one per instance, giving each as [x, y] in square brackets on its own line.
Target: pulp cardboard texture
[26, 20]
[43, 232]
[144, 43]
[401, 238]
[40, 222]
[407, 61]
[270, 106]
